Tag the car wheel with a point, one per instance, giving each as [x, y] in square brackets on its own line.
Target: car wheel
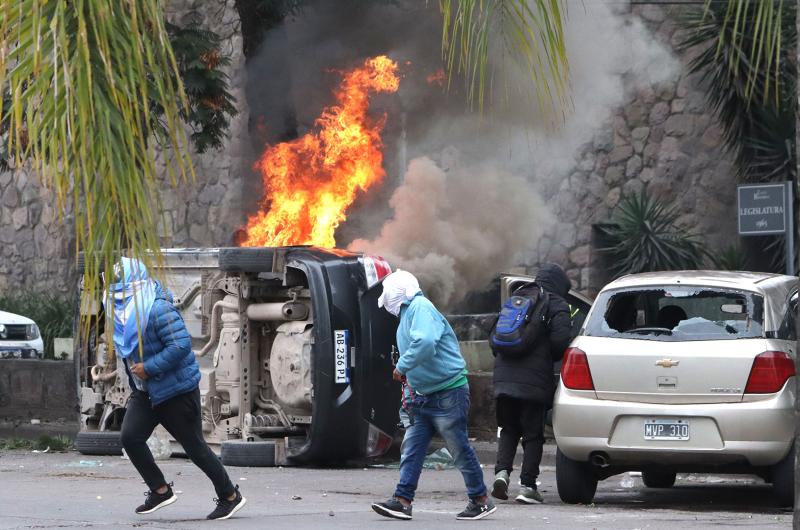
[237, 453]
[658, 478]
[575, 480]
[246, 259]
[783, 480]
[98, 443]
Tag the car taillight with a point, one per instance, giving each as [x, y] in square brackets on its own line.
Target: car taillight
[769, 373]
[376, 268]
[575, 372]
[378, 442]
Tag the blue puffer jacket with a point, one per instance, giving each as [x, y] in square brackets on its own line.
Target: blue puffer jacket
[167, 348]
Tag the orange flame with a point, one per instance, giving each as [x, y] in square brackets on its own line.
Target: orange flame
[311, 181]
[437, 78]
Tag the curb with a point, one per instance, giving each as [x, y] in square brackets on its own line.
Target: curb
[32, 432]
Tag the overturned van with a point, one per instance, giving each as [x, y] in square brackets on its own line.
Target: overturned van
[295, 355]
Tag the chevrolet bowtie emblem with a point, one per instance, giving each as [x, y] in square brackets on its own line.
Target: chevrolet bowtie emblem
[667, 363]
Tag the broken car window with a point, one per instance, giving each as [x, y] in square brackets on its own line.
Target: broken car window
[677, 314]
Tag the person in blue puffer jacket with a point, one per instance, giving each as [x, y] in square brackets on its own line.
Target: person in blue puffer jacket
[164, 376]
[435, 396]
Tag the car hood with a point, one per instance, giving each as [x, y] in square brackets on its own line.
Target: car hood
[11, 318]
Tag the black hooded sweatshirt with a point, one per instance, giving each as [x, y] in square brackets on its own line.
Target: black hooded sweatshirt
[530, 377]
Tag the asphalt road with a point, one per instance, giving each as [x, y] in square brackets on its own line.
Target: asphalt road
[69, 490]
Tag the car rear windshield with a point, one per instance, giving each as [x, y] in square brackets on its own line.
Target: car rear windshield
[677, 313]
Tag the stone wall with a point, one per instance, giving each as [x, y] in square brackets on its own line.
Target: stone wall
[32, 389]
[663, 140]
[34, 245]
[208, 211]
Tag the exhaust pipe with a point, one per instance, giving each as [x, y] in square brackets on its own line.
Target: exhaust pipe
[599, 460]
[277, 311]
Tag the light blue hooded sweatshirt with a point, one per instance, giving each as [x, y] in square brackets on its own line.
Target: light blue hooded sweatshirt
[429, 354]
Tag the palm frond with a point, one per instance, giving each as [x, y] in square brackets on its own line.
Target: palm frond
[83, 76]
[529, 31]
[755, 31]
[753, 96]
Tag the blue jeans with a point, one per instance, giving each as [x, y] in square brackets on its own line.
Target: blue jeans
[445, 412]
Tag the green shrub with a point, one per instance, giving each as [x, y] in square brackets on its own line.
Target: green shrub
[15, 443]
[51, 312]
[731, 258]
[645, 236]
[56, 443]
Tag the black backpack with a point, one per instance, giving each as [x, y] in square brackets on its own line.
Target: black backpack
[521, 322]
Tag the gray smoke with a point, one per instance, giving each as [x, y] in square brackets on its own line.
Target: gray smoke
[447, 227]
[466, 193]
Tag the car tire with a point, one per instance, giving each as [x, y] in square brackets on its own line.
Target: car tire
[783, 480]
[575, 480]
[658, 478]
[246, 259]
[99, 443]
[237, 453]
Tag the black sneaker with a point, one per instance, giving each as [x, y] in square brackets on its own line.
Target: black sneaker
[529, 495]
[154, 501]
[476, 510]
[392, 508]
[226, 508]
[500, 485]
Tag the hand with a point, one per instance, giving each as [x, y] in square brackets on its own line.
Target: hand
[138, 371]
[397, 376]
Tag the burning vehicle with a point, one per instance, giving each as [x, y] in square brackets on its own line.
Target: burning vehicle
[295, 355]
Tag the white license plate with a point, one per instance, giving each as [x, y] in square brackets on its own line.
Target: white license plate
[666, 430]
[342, 368]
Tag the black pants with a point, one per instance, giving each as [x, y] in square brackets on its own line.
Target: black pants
[519, 419]
[180, 415]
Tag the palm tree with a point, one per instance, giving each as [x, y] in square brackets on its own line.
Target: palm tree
[750, 81]
[750, 78]
[90, 89]
[84, 80]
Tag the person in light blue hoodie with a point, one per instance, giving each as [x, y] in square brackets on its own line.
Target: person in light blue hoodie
[435, 397]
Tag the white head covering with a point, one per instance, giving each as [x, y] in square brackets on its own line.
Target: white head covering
[398, 287]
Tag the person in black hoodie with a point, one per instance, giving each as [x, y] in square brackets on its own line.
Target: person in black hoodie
[524, 388]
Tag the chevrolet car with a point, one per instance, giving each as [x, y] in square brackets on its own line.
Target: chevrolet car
[678, 372]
